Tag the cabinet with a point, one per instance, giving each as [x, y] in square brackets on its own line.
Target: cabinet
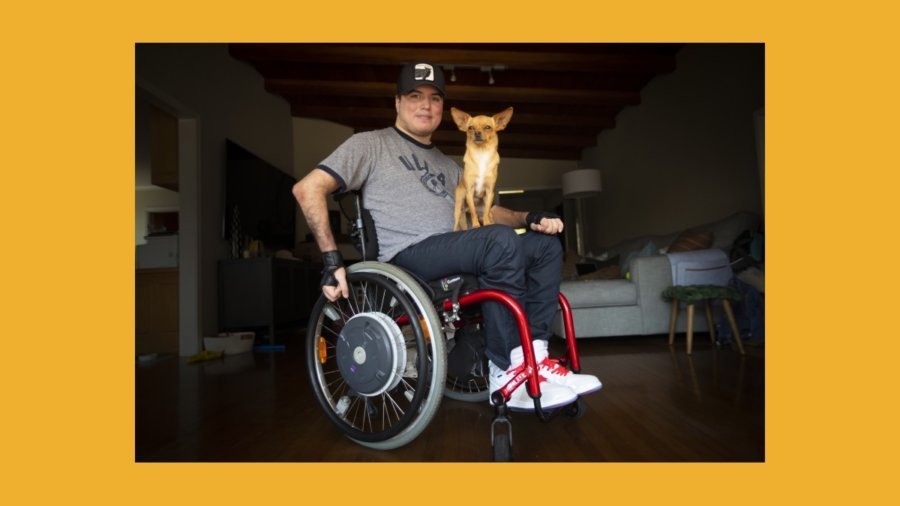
[266, 294]
[163, 149]
[156, 311]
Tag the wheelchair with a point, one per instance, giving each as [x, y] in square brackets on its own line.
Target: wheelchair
[378, 360]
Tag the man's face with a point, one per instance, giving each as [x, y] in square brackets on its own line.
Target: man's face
[419, 112]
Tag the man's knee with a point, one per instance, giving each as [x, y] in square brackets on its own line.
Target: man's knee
[551, 245]
[544, 247]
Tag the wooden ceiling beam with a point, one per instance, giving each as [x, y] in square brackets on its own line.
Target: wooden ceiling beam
[472, 93]
[556, 59]
[385, 116]
[464, 75]
[582, 112]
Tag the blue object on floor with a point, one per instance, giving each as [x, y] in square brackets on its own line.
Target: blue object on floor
[268, 347]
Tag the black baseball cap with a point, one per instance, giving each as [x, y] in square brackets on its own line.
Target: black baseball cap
[413, 75]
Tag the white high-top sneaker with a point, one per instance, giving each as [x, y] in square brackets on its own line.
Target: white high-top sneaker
[551, 371]
[552, 395]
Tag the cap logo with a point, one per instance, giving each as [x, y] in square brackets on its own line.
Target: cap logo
[423, 72]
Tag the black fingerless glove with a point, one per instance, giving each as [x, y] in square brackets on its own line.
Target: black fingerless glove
[333, 260]
[535, 217]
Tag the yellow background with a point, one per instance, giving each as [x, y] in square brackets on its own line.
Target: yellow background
[67, 176]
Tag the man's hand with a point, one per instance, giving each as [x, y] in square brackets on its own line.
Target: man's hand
[544, 222]
[334, 276]
[339, 289]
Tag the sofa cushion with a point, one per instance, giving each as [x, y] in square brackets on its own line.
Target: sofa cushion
[691, 240]
[599, 293]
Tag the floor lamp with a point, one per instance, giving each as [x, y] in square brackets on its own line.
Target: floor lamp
[579, 185]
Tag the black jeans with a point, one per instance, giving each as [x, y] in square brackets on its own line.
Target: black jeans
[528, 267]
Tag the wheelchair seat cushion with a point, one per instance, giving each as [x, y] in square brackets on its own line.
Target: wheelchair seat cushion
[452, 286]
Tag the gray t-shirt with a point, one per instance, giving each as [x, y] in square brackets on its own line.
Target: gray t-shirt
[407, 186]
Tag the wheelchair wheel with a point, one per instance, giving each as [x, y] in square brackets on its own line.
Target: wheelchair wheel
[467, 367]
[377, 360]
[467, 389]
[576, 409]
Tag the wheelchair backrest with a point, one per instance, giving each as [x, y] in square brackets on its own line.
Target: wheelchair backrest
[362, 226]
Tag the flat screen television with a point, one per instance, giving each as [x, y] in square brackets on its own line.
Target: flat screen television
[258, 202]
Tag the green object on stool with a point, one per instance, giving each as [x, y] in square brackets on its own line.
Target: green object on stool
[691, 295]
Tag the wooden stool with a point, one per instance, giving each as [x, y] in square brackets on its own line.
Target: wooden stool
[692, 294]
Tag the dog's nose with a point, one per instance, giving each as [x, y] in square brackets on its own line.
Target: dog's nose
[477, 135]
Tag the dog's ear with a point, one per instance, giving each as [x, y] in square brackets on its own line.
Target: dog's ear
[460, 118]
[501, 119]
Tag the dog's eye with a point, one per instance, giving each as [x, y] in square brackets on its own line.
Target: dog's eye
[487, 127]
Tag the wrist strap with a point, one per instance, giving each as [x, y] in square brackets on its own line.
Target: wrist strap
[332, 260]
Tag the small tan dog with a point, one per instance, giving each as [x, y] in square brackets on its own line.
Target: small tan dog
[480, 165]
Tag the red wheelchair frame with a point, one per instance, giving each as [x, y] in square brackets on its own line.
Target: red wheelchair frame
[530, 373]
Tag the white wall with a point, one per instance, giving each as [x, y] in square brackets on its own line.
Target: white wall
[686, 155]
[314, 140]
[531, 174]
[227, 99]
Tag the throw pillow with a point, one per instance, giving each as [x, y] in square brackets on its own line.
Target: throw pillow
[690, 240]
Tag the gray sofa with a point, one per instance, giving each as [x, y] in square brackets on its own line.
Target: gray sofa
[623, 307]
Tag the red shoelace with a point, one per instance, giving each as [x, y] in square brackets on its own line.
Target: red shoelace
[553, 366]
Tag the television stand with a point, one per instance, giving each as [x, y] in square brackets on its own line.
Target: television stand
[266, 294]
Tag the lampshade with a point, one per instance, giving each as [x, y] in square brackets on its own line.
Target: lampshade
[581, 183]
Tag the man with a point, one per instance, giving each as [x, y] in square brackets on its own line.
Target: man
[409, 190]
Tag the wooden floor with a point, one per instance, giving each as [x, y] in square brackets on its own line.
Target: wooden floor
[657, 405]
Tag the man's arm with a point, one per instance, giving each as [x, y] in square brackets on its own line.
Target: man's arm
[311, 193]
[508, 217]
[549, 224]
